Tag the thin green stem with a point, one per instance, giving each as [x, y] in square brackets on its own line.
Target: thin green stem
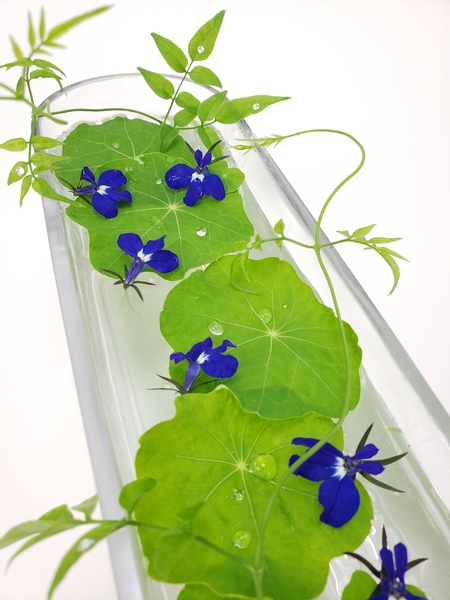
[138, 112]
[177, 90]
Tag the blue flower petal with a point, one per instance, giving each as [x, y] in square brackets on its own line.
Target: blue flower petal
[112, 178]
[198, 155]
[372, 467]
[401, 559]
[87, 190]
[340, 500]
[134, 271]
[87, 175]
[199, 348]
[387, 560]
[206, 160]
[220, 365]
[163, 261]
[179, 176]
[366, 452]
[194, 193]
[223, 346]
[130, 243]
[213, 186]
[154, 245]
[119, 196]
[191, 375]
[104, 205]
[310, 442]
[321, 465]
[178, 357]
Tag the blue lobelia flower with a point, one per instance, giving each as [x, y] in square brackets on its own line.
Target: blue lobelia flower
[149, 255]
[105, 192]
[392, 574]
[198, 180]
[212, 361]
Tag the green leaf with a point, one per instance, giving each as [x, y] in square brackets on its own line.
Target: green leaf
[42, 113]
[42, 23]
[167, 135]
[204, 76]
[202, 43]
[44, 74]
[19, 532]
[31, 31]
[208, 108]
[24, 188]
[239, 274]
[183, 117]
[383, 240]
[240, 108]
[20, 87]
[66, 26]
[46, 64]
[187, 100]
[22, 62]
[361, 586]
[39, 142]
[159, 84]
[172, 54]
[16, 48]
[202, 459]
[15, 145]
[43, 188]
[392, 265]
[279, 227]
[344, 232]
[202, 592]
[45, 159]
[209, 137]
[87, 507]
[132, 146]
[81, 546]
[134, 492]
[362, 231]
[18, 171]
[289, 346]
[391, 253]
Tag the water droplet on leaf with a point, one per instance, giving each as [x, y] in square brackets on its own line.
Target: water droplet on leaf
[215, 328]
[263, 466]
[256, 106]
[238, 495]
[242, 538]
[85, 544]
[158, 181]
[200, 49]
[201, 231]
[20, 170]
[120, 424]
[265, 315]
[196, 297]
[285, 305]
[116, 145]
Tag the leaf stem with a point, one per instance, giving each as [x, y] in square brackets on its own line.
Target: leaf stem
[138, 112]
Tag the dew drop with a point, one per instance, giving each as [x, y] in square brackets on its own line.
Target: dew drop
[215, 328]
[201, 231]
[263, 466]
[116, 145]
[256, 106]
[242, 538]
[196, 297]
[158, 181]
[285, 305]
[200, 49]
[265, 315]
[85, 544]
[151, 280]
[120, 424]
[20, 170]
[238, 495]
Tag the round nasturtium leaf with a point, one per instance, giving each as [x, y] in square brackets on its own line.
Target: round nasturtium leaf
[198, 234]
[289, 346]
[202, 460]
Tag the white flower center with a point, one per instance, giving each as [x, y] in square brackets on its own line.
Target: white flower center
[340, 468]
[101, 189]
[144, 257]
[196, 175]
[201, 359]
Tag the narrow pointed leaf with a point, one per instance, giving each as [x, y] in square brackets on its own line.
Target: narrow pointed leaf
[202, 43]
[159, 84]
[363, 231]
[380, 484]
[46, 159]
[20, 87]
[40, 142]
[363, 440]
[19, 532]
[172, 54]
[87, 507]
[240, 108]
[393, 266]
[209, 137]
[14, 145]
[31, 31]
[279, 227]
[188, 101]
[208, 108]
[392, 459]
[42, 23]
[16, 48]
[66, 26]
[167, 136]
[134, 492]
[44, 74]
[383, 240]
[24, 188]
[18, 171]
[344, 232]
[46, 64]
[42, 187]
[204, 76]
[184, 117]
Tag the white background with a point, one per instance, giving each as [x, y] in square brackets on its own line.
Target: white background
[378, 69]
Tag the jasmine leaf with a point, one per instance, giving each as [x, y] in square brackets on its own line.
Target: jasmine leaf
[361, 585]
[209, 470]
[66, 26]
[24, 188]
[42, 23]
[167, 135]
[208, 108]
[288, 344]
[31, 31]
[383, 240]
[14, 145]
[240, 108]
[134, 492]
[20, 87]
[392, 265]
[202, 43]
[16, 48]
[46, 64]
[209, 136]
[204, 76]
[87, 507]
[46, 159]
[391, 253]
[187, 100]
[18, 171]
[362, 231]
[183, 117]
[45, 74]
[81, 546]
[40, 142]
[43, 188]
[159, 84]
[23, 62]
[172, 54]
[19, 532]
[279, 227]
[344, 232]
[156, 209]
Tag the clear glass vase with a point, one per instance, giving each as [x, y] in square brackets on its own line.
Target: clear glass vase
[114, 363]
